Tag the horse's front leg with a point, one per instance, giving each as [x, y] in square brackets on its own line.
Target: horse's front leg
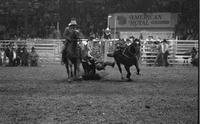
[137, 67]
[70, 72]
[67, 68]
[120, 70]
[85, 68]
[128, 72]
[77, 70]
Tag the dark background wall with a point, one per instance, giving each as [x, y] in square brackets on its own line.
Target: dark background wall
[38, 18]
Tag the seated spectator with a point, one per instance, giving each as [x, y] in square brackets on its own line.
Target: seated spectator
[33, 57]
[193, 52]
[194, 55]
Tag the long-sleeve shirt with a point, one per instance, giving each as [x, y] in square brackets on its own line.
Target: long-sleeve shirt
[165, 47]
[67, 34]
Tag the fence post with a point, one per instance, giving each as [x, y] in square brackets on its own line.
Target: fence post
[106, 50]
[172, 51]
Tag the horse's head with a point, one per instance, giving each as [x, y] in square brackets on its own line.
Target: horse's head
[137, 42]
[75, 35]
[135, 46]
[132, 48]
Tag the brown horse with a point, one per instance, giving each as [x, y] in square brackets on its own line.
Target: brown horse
[127, 56]
[72, 57]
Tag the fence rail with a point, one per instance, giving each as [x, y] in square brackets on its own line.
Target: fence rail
[47, 49]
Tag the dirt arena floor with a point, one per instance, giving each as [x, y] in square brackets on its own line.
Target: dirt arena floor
[42, 95]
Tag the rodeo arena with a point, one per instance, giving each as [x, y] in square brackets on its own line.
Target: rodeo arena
[99, 62]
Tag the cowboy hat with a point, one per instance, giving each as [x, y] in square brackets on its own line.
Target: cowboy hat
[132, 37]
[164, 41]
[73, 22]
[33, 48]
[107, 29]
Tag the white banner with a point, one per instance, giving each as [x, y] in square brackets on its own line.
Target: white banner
[142, 20]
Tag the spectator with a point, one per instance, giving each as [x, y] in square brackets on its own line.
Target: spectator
[107, 33]
[18, 56]
[14, 48]
[33, 57]
[1, 55]
[159, 58]
[194, 55]
[165, 51]
[25, 56]
[9, 54]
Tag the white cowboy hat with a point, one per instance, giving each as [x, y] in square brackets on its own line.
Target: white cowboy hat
[73, 22]
[107, 29]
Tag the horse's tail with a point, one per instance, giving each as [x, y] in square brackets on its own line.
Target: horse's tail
[110, 54]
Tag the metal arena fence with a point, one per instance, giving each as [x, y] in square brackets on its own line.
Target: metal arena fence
[179, 51]
[49, 50]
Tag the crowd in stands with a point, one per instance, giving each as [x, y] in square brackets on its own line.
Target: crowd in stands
[49, 31]
[93, 19]
[17, 55]
[94, 22]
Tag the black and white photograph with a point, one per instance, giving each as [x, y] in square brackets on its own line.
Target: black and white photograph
[99, 62]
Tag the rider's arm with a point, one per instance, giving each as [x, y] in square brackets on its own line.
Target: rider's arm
[66, 34]
[89, 52]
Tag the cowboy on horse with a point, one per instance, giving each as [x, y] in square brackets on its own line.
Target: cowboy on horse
[71, 53]
[127, 55]
[70, 35]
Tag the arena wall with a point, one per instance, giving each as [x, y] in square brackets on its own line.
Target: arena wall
[49, 50]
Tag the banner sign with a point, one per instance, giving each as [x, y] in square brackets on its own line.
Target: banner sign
[142, 20]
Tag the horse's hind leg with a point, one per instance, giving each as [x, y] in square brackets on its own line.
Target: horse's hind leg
[71, 72]
[120, 70]
[128, 72]
[68, 72]
[67, 68]
[77, 70]
[85, 68]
